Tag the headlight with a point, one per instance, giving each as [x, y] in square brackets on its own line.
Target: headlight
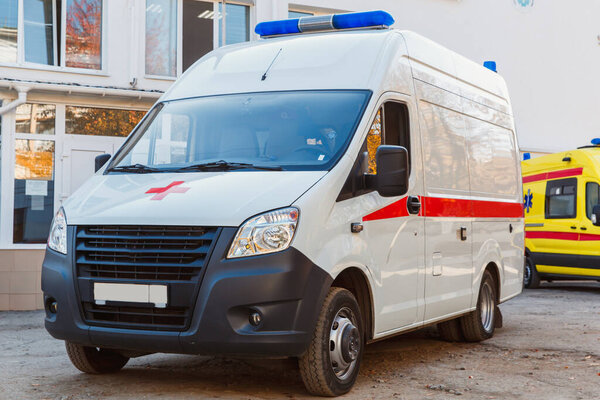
[266, 233]
[57, 240]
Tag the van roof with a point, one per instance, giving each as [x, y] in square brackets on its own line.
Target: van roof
[351, 59]
[586, 158]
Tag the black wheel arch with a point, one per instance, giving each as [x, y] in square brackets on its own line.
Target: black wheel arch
[354, 280]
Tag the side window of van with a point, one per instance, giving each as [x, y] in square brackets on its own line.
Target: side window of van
[391, 127]
[561, 198]
[592, 198]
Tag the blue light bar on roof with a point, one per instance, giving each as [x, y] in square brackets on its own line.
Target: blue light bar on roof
[596, 141]
[325, 22]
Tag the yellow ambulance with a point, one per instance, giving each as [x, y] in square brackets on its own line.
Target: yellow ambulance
[561, 200]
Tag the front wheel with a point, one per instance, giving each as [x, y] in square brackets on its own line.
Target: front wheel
[480, 324]
[329, 366]
[93, 360]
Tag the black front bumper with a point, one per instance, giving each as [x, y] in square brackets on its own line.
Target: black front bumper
[285, 288]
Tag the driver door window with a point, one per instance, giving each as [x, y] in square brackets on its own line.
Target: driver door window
[389, 127]
[592, 198]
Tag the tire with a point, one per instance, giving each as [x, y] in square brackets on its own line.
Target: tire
[330, 365]
[451, 331]
[92, 360]
[531, 278]
[480, 324]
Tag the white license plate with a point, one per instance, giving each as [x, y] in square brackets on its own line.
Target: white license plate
[148, 294]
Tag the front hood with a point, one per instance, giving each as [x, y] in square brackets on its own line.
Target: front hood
[204, 198]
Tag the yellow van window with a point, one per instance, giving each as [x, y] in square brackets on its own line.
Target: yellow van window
[561, 198]
[592, 197]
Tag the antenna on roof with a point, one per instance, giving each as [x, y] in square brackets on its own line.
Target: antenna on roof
[270, 65]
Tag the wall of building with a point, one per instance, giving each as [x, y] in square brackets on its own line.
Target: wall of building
[20, 279]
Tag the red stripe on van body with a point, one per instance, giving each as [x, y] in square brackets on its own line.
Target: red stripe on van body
[583, 237]
[441, 207]
[552, 235]
[444, 207]
[563, 173]
[394, 210]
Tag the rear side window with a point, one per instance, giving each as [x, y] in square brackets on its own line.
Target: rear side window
[561, 198]
[592, 198]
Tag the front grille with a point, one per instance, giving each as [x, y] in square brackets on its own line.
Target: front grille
[165, 255]
[173, 318]
[160, 253]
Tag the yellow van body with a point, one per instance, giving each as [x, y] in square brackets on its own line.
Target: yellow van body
[560, 191]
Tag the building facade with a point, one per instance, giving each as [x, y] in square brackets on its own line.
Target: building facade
[77, 75]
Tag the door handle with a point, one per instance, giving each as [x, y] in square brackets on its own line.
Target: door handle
[463, 233]
[413, 204]
[583, 228]
[573, 227]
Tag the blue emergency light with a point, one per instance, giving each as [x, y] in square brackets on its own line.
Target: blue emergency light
[354, 20]
[596, 141]
[526, 156]
[491, 65]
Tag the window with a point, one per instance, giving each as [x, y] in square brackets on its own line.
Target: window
[394, 131]
[34, 190]
[237, 21]
[39, 21]
[8, 31]
[84, 34]
[35, 118]
[198, 36]
[161, 37]
[295, 130]
[100, 121]
[205, 25]
[34, 172]
[47, 24]
[592, 198]
[390, 126]
[561, 198]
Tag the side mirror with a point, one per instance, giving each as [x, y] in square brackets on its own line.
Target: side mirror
[392, 171]
[596, 215]
[101, 160]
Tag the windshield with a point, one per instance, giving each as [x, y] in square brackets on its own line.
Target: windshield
[301, 130]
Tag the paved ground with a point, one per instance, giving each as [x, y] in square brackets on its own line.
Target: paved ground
[549, 348]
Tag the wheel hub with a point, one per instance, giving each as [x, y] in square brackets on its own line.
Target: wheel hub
[487, 307]
[344, 343]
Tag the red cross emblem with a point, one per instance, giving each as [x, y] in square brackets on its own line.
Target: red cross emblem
[162, 192]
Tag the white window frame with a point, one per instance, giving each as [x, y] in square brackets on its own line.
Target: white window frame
[61, 68]
[216, 39]
[314, 10]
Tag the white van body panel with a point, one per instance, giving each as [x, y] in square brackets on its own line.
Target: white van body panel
[219, 198]
[345, 60]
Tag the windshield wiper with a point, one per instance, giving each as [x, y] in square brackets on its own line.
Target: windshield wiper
[136, 168]
[226, 165]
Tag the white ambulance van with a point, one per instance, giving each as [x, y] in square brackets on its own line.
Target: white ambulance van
[332, 184]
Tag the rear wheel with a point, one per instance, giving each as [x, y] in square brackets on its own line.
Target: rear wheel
[480, 324]
[330, 365]
[93, 360]
[451, 331]
[531, 278]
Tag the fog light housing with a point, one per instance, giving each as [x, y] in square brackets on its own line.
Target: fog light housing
[255, 319]
[52, 305]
